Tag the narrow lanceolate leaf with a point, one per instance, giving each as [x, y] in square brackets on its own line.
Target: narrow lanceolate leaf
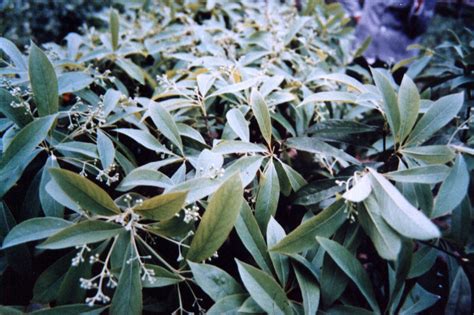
[165, 124]
[360, 191]
[399, 213]
[34, 229]
[86, 232]
[133, 71]
[128, 294]
[10, 49]
[24, 143]
[386, 240]
[49, 205]
[214, 281]
[162, 277]
[267, 197]
[264, 290]
[275, 233]
[352, 268]
[409, 104]
[262, 115]
[389, 104]
[205, 82]
[84, 192]
[237, 87]
[114, 25]
[18, 115]
[314, 145]
[44, 82]
[218, 220]
[431, 154]
[239, 125]
[106, 150]
[343, 97]
[324, 224]
[228, 305]
[252, 238]
[430, 174]
[459, 301]
[145, 139]
[163, 206]
[453, 189]
[436, 117]
[309, 289]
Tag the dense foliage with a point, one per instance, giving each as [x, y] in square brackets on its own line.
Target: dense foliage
[218, 158]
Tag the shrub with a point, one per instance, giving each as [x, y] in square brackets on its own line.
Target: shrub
[217, 158]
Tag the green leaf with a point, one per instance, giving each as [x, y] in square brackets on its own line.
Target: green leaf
[82, 233]
[144, 177]
[409, 105]
[268, 196]
[313, 145]
[418, 300]
[324, 223]
[106, 150]
[399, 213]
[386, 241]
[49, 205]
[228, 305]
[239, 125]
[84, 148]
[251, 236]
[10, 49]
[436, 117]
[114, 26]
[214, 281]
[294, 28]
[84, 192]
[71, 82]
[34, 229]
[431, 154]
[390, 103]
[250, 306]
[453, 189]
[275, 233]
[262, 115]
[264, 290]
[145, 139]
[127, 298]
[133, 71]
[352, 268]
[459, 301]
[165, 124]
[430, 174]
[344, 97]
[24, 143]
[162, 207]
[309, 289]
[70, 310]
[237, 87]
[111, 99]
[43, 82]
[317, 191]
[423, 259]
[345, 79]
[402, 264]
[205, 82]
[18, 115]
[218, 220]
[161, 278]
[234, 146]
